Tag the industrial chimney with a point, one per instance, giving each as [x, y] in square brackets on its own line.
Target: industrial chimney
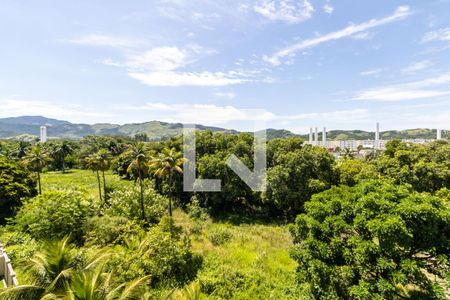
[316, 136]
[377, 137]
[324, 137]
[310, 135]
[43, 135]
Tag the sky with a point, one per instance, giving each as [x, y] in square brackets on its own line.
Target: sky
[289, 64]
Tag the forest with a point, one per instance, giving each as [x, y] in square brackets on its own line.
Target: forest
[106, 217]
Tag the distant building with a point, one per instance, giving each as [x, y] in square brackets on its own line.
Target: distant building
[43, 135]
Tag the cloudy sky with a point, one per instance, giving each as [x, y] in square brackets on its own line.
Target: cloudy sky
[299, 63]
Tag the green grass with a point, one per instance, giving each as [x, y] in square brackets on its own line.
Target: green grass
[252, 263]
[83, 180]
[257, 253]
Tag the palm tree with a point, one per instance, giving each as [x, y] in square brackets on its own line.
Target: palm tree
[96, 285]
[165, 165]
[92, 163]
[36, 160]
[61, 151]
[139, 167]
[104, 163]
[49, 270]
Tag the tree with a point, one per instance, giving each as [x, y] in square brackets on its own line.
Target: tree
[372, 241]
[294, 176]
[104, 163]
[36, 160]
[49, 271]
[139, 167]
[165, 165]
[60, 153]
[92, 163]
[16, 183]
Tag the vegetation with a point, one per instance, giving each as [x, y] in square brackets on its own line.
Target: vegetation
[113, 221]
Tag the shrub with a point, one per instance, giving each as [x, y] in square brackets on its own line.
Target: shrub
[55, 214]
[15, 184]
[124, 201]
[219, 236]
[107, 229]
[166, 257]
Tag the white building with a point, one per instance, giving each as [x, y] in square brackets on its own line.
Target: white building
[43, 135]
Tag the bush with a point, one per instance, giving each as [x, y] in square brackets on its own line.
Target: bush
[166, 257]
[55, 214]
[15, 184]
[107, 229]
[124, 201]
[220, 236]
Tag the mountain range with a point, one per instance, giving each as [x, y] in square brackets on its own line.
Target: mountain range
[27, 128]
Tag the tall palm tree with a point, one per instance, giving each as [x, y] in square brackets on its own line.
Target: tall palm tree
[104, 163]
[165, 165]
[139, 167]
[36, 160]
[61, 151]
[92, 163]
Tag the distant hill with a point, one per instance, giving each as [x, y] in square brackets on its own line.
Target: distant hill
[27, 127]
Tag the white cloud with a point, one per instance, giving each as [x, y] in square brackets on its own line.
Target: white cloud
[328, 9]
[163, 66]
[158, 59]
[208, 114]
[364, 36]
[351, 30]
[203, 113]
[227, 95]
[372, 72]
[442, 34]
[100, 40]
[417, 66]
[289, 11]
[173, 79]
[423, 89]
[17, 107]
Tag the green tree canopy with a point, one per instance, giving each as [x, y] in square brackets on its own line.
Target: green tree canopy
[372, 241]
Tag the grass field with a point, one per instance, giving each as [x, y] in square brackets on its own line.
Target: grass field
[240, 260]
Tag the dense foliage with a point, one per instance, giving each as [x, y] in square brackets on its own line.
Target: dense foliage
[16, 184]
[112, 220]
[373, 241]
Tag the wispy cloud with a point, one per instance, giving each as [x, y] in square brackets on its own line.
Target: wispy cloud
[328, 9]
[226, 95]
[275, 59]
[216, 115]
[417, 66]
[101, 40]
[442, 34]
[166, 66]
[289, 11]
[423, 89]
[372, 72]
[18, 107]
[173, 79]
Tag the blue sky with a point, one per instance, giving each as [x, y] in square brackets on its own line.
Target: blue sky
[301, 63]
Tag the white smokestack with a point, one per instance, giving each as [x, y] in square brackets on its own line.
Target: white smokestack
[43, 135]
[310, 135]
[439, 134]
[377, 136]
[324, 137]
[316, 136]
